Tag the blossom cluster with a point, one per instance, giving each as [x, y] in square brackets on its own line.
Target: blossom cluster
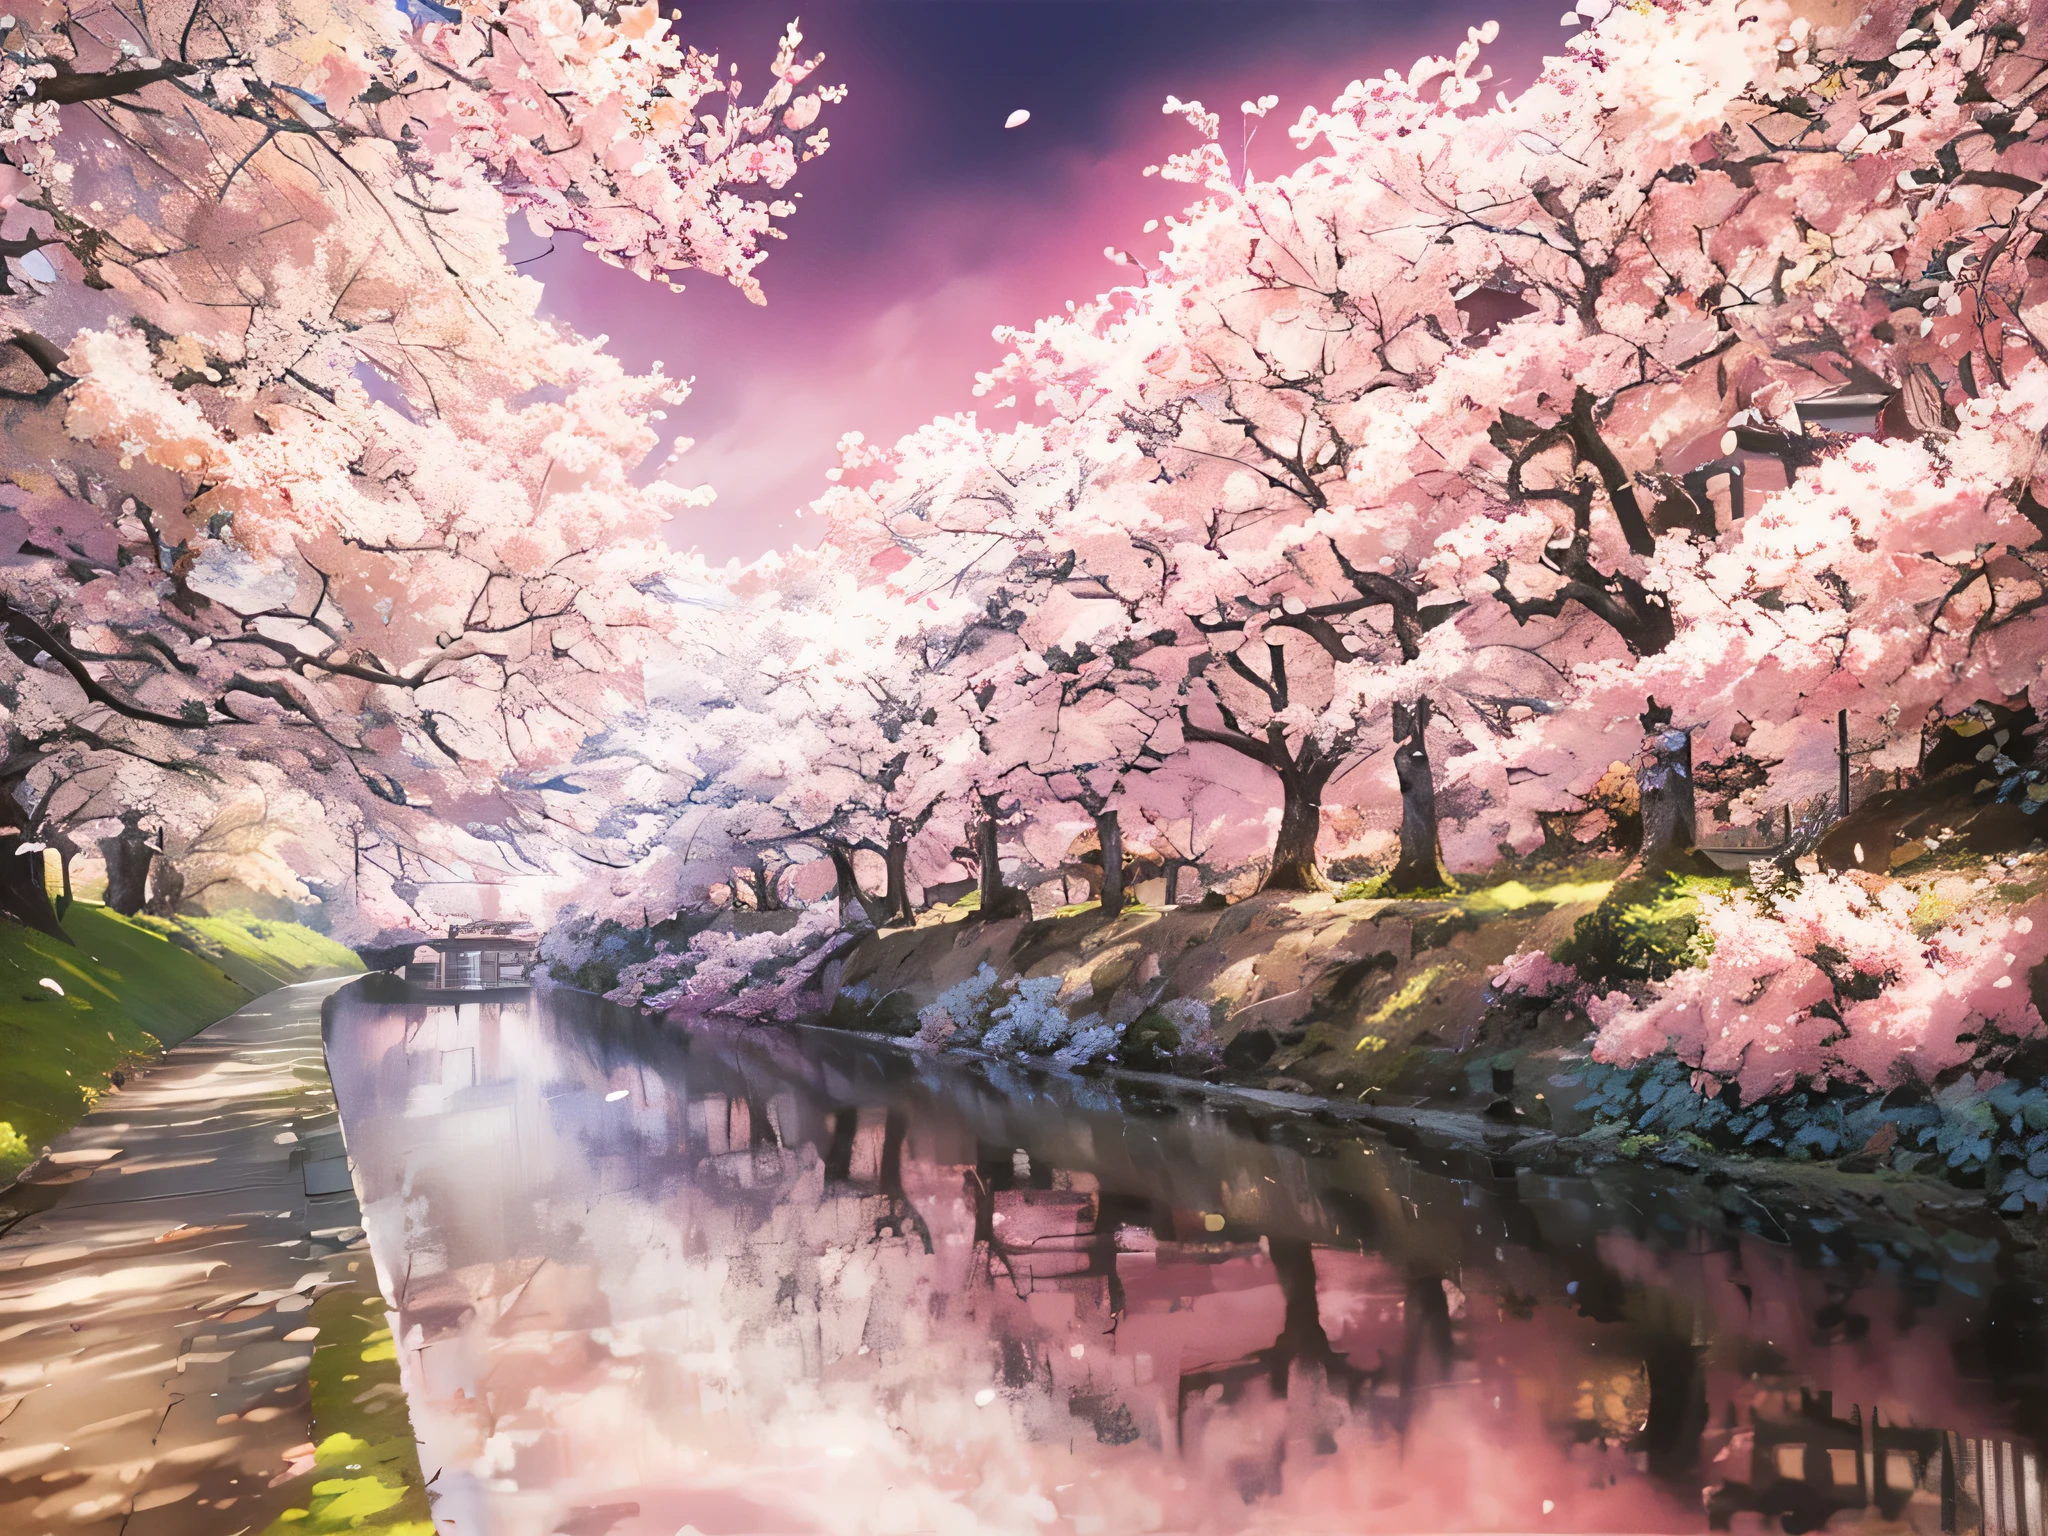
[1831, 981]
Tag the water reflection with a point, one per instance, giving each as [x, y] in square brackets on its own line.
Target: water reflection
[769, 1282]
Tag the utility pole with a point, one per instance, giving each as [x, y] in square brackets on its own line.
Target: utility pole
[1842, 750]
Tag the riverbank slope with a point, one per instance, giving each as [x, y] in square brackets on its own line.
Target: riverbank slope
[1307, 992]
[1469, 997]
[75, 1017]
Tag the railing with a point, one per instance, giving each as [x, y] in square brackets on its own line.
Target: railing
[1812, 1467]
[471, 970]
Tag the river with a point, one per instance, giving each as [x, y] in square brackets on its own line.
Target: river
[654, 1283]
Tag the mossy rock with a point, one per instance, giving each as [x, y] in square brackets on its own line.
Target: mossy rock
[1113, 973]
[1150, 1044]
[1373, 1063]
[1380, 886]
[1645, 929]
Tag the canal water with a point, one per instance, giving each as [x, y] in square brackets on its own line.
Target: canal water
[653, 1283]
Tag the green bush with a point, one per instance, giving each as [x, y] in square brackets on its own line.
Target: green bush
[1645, 929]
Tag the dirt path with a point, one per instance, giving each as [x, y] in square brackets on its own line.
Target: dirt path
[154, 1341]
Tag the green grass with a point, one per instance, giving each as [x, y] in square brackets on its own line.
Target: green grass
[365, 1462]
[1645, 929]
[1513, 895]
[1412, 992]
[1931, 913]
[1507, 896]
[259, 953]
[128, 991]
[1079, 908]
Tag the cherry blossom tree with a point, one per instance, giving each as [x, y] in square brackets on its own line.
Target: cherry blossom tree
[792, 719]
[1022, 650]
[1399, 476]
[1198, 815]
[298, 479]
[1069, 694]
[1650, 347]
[844, 676]
[1497, 359]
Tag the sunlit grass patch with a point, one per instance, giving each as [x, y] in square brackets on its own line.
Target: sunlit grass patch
[366, 1466]
[1513, 895]
[127, 991]
[257, 952]
[1645, 930]
[1506, 896]
[1408, 995]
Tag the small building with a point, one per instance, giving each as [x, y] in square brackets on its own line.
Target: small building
[468, 962]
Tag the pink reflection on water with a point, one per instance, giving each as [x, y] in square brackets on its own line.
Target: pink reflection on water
[768, 1291]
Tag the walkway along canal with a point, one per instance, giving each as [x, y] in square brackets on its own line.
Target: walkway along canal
[156, 1314]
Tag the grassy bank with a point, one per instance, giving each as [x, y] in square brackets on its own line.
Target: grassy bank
[1481, 1001]
[1336, 994]
[258, 953]
[366, 1465]
[126, 989]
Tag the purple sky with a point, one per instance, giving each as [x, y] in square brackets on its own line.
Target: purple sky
[928, 223]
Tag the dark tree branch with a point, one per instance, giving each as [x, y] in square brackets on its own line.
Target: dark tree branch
[20, 624]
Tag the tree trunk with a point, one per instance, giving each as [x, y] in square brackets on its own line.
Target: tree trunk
[767, 898]
[839, 1150]
[846, 884]
[166, 888]
[1421, 866]
[1427, 1347]
[1109, 831]
[997, 899]
[988, 857]
[850, 894]
[1301, 1330]
[903, 1214]
[128, 857]
[898, 898]
[1301, 826]
[66, 852]
[1173, 869]
[1678, 1412]
[1670, 818]
[24, 888]
[1842, 757]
